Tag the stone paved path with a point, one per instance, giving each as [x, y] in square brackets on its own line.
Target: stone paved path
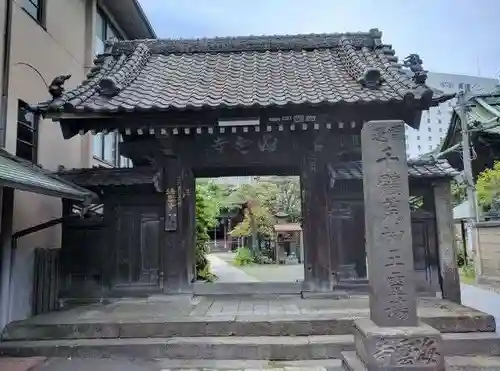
[226, 272]
[482, 299]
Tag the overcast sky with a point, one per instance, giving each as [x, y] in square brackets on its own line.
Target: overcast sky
[454, 36]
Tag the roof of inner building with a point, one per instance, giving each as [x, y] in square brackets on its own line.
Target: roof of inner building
[104, 177]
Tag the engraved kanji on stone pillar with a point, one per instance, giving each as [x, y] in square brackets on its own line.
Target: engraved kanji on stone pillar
[388, 224]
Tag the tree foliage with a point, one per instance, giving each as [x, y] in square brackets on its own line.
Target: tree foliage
[488, 187]
[207, 211]
[458, 192]
[264, 223]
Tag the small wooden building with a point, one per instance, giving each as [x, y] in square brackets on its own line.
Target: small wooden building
[483, 117]
[277, 105]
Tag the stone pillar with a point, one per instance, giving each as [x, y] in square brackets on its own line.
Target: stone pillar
[446, 242]
[392, 338]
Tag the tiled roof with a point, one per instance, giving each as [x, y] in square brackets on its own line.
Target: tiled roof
[254, 71]
[416, 169]
[103, 177]
[20, 174]
[483, 117]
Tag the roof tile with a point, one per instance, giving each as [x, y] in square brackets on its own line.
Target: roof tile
[102, 177]
[416, 169]
[259, 71]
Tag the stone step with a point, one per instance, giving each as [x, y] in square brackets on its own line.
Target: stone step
[232, 347]
[236, 348]
[292, 325]
[107, 364]
[471, 344]
[472, 363]
[351, 362]
[241, 365]
[339, 323]
[247, 288]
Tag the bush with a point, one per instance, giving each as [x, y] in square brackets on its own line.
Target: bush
[202, 265]
[244, 257]
[460, 255]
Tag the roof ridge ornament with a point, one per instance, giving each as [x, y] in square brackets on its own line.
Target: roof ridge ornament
[415, 64]
[372, 78]
[112, 85]
[56, 87]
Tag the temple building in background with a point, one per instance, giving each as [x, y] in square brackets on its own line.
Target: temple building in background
[435, 121]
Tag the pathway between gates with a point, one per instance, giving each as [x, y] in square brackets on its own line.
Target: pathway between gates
[226, 272]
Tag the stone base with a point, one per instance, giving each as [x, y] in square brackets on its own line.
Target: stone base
[398, 348]
[347, 272]
[335, 294]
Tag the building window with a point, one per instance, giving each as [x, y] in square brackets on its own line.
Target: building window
[125, 162]
[106, 148]
[429, 121]
[34, 8]
[440, 130]
[439, 121]
[27, 133]
[430, 138]
[104, 32]
[429, 129]
[418, 137]
[419, 147]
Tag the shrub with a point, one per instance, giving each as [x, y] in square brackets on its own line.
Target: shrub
[243, 257]
[202, 222]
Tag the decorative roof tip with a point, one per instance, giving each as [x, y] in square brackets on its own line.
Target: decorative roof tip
[375, 33]
[56, 87]
[371, 79]
[111, 85]
[415, 64]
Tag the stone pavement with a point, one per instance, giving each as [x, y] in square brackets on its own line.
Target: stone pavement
[260, 272]
[226, 272]
[482, 298]
[79, 364]
[177, 309]
[21, 364]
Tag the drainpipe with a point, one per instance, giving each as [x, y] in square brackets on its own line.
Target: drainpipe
[7, 37]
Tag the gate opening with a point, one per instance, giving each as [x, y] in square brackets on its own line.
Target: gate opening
[248, 229]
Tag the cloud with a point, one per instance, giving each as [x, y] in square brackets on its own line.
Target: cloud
[449, 35]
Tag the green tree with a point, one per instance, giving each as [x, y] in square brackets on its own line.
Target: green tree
[488, 187]
[207, 211]
[458, 192]
[264, 223]
[286, 198]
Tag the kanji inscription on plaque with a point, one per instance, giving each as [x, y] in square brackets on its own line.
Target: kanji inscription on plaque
[171, 210]
[388, 224]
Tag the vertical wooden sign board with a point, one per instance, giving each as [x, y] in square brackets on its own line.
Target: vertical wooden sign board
[171, 210]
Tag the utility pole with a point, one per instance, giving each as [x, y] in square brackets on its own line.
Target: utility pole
[463, 97]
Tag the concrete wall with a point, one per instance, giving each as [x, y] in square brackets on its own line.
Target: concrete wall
[489, 250]
[57, 49]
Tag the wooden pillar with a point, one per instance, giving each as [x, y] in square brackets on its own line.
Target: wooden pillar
[318, 273]
[188, 224]
[175, 256]
[450, 281]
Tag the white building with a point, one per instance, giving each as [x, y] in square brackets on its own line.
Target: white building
[235, 180]
[435, 122]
